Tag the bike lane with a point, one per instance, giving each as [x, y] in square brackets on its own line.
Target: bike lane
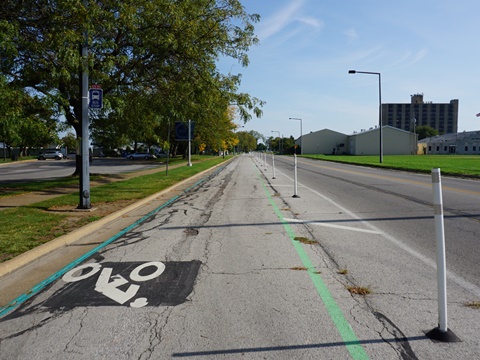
[216, 272]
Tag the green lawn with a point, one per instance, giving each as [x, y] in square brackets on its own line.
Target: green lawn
[24, 187]
[26, 227]
[458, 165]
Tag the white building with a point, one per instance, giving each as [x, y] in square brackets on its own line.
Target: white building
[324, 142]
[366, 142]
[464, 143]
[395, 142]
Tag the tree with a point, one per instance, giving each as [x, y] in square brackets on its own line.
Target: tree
[246, 141]
[69, 142]
[164, 50]
[261, 147]
[275, 143]
[426, 131]
[258, 136]
[26, 120]
[288, 145]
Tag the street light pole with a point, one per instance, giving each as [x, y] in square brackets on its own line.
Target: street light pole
[379, 105]
[415, 134]
[301, 135]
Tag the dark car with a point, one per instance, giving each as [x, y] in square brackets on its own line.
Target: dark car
[141, 155]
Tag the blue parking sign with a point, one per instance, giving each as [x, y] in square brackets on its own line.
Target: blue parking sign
[96, 98]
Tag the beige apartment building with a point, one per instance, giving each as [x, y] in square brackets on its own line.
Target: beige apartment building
[442, 117]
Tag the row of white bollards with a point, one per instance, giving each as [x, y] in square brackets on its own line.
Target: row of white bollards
[442, 332]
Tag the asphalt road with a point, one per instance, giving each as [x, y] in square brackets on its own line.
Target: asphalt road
[399, 204]
[50, 169]
[221, 272]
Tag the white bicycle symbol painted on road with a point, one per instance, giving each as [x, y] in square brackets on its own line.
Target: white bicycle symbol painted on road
[108, 285]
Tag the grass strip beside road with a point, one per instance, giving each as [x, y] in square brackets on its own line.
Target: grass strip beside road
[22, 188]
[11, 189]
[26, 227]
[453, 165]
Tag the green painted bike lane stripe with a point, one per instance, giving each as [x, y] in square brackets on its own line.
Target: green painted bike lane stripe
[346, 332]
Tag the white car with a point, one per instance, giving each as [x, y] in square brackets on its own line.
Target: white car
[139, 155]
[53, 154]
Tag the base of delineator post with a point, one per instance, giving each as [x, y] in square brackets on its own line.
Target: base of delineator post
[442, 336]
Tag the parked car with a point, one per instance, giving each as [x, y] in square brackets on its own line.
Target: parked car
[53, 154]
[161, 154]
[140, 155]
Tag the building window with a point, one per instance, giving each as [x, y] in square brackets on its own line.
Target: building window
[444, 148]
[438, 148]
[474, 148]
[466, 148]
[429, 148]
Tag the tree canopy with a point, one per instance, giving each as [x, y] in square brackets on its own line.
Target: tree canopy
[154, 59]
[246, 141]
[425, 131]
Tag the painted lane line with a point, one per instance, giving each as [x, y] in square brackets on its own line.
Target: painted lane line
[472, 288]
[349, 228]
[345, 330]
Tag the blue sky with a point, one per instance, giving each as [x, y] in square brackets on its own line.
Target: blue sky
[300, 68]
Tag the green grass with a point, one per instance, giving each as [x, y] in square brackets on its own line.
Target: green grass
[25, 187]
[26, 227]
[135, 188]
[457, 165]
[23, 229]
[8, 159]
[21, 188]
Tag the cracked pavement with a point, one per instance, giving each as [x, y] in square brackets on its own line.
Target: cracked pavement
[245, 300]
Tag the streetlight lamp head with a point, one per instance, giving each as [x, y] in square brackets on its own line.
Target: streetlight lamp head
[352, 71]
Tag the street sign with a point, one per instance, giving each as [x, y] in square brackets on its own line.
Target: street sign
[181, 130]
[95, 98]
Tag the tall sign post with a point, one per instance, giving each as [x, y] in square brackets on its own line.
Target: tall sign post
[184, 132]
[84, 202]
[189, 143]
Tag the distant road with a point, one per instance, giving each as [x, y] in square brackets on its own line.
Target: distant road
[52, 169]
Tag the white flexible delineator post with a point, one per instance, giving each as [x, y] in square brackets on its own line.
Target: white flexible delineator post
[295, 192]
[441, 258]
[273, 165]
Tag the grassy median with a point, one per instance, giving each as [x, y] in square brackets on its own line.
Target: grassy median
[26, 227]
[456, 165]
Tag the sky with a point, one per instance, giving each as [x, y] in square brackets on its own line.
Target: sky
[300, 68]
